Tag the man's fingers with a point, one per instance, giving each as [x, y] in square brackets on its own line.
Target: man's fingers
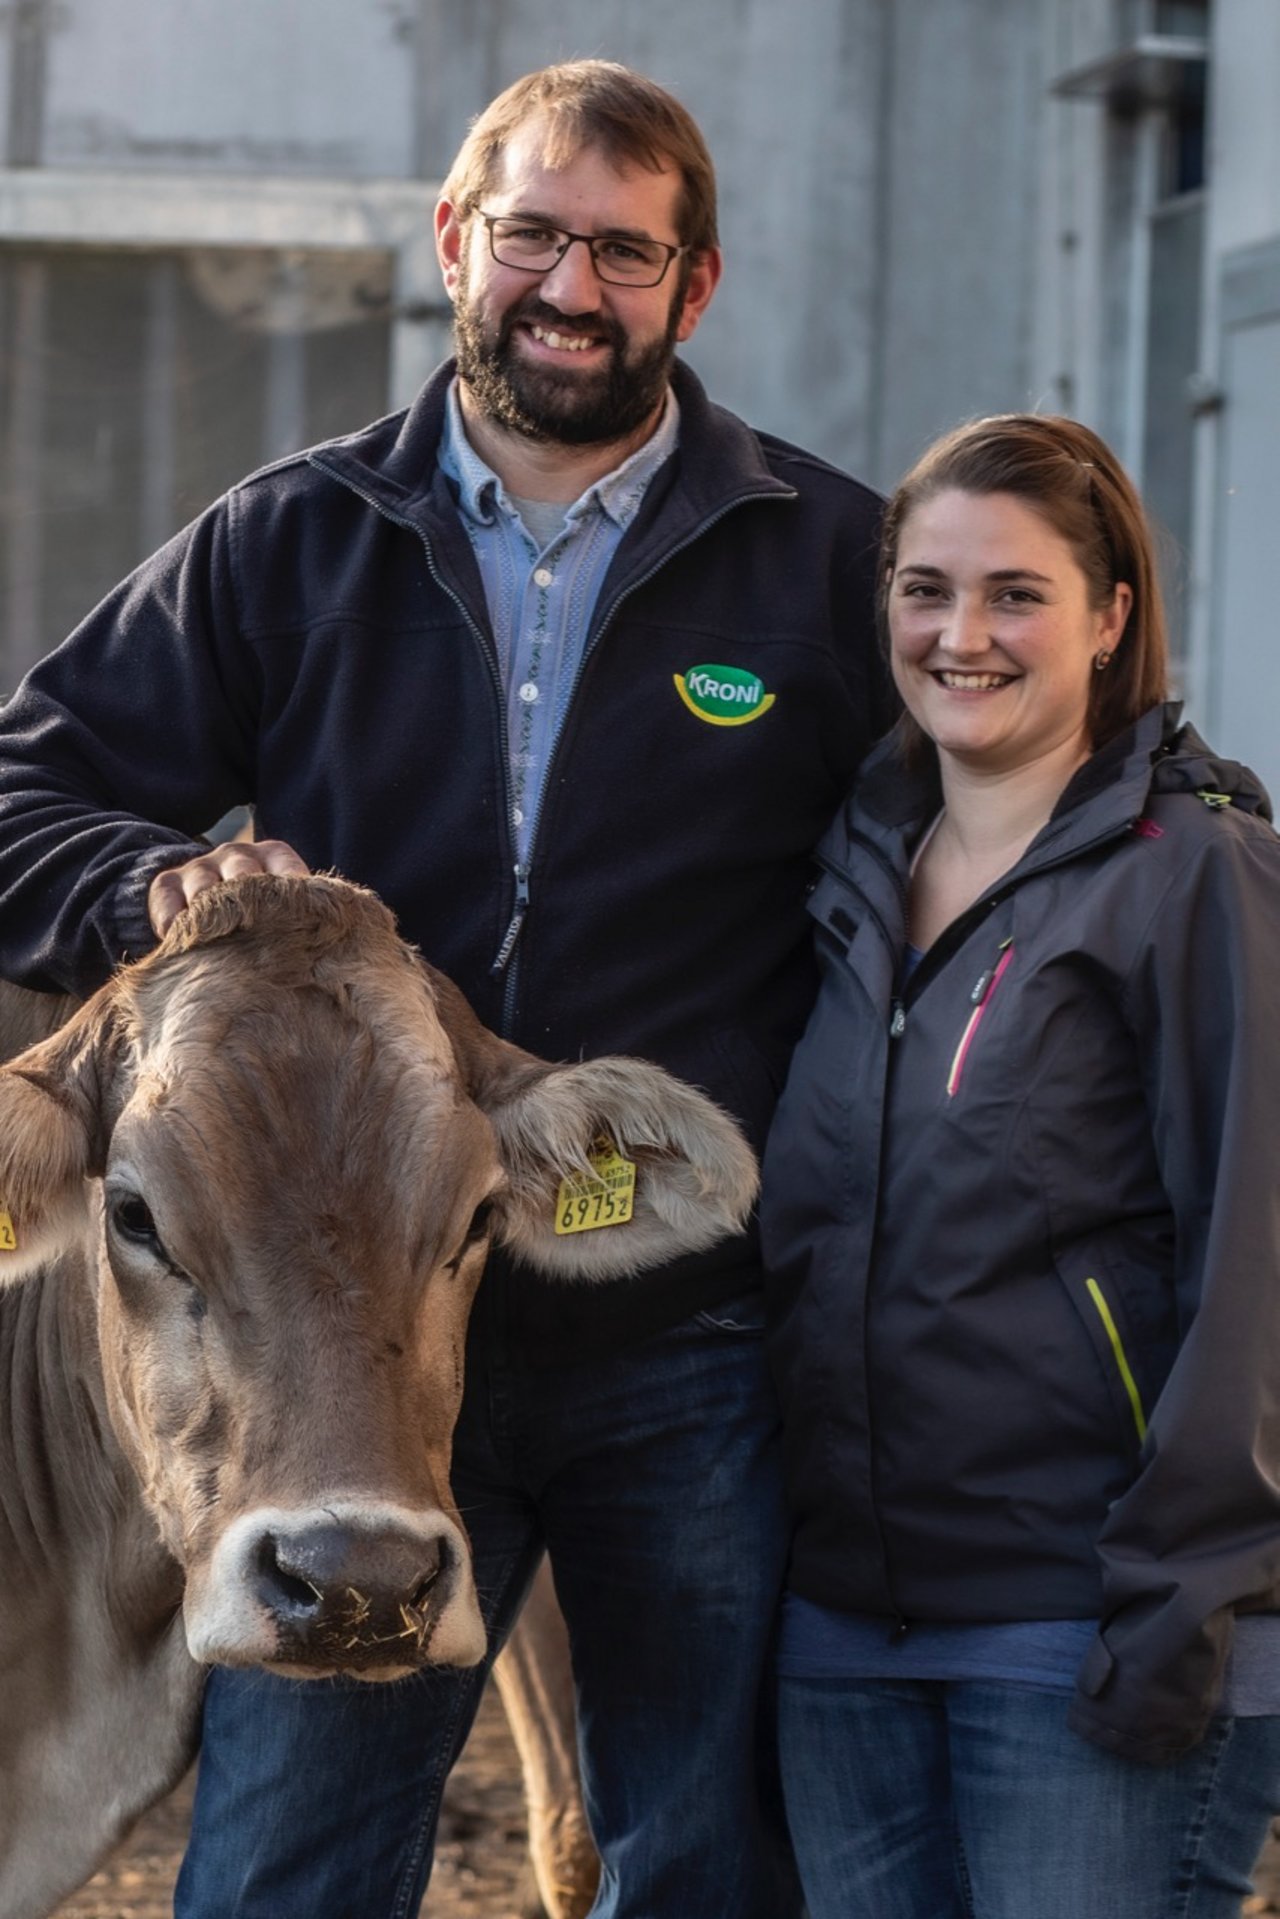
[177, 886]
[277, 856]
[173, 889]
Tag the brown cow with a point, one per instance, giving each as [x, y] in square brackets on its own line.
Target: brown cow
[245, 1198]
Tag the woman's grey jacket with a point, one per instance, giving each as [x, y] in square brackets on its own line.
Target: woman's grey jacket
[1024, 1225]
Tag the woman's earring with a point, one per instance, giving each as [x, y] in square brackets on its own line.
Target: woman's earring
[1100, 659]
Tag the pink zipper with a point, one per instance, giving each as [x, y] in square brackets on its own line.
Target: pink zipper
[975, 1019]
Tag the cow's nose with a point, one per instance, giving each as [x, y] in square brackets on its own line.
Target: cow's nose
[341, 1592]
[298, 1570]
[352, 1585]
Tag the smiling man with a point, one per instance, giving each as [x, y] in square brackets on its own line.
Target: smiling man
[559, 348]
[572, 667]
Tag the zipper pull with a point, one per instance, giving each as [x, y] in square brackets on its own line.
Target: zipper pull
[982, 987]
[897, 1025]
[512, 933]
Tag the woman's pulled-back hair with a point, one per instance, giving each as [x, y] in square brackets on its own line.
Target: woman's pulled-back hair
[593, 103]
[1071, 478]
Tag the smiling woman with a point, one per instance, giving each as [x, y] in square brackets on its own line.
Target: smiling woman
[995, 647]
[1077, 496]
[994, 640]
[1015, 574]
[1018, 1212]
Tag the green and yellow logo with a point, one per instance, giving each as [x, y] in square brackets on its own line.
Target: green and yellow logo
[723, 695]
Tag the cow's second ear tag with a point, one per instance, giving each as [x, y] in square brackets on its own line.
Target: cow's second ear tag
[604, 1197]
[8, 1238]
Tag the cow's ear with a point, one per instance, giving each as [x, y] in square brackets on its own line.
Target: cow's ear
[48, 1112]
[695, 1177]
[26, 1017]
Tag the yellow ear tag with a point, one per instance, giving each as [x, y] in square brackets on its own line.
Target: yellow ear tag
[603, 1197]
[8, 1238]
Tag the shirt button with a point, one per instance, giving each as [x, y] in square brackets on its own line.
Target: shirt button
[528, 692]
[543, 576]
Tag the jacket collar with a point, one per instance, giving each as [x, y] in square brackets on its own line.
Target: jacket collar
[482, 494]
[393, 463]
[893, 802]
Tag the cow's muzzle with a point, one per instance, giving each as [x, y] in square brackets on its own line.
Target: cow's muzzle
[349, 1600]
[367, 1590]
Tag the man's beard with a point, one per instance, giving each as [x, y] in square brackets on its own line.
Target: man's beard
[574, 408]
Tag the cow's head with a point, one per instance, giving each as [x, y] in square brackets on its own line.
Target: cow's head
[293, 1145]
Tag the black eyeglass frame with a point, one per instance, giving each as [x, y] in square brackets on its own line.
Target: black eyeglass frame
[589, 240]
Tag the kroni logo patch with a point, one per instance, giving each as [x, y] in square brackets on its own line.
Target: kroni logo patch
[723, 695]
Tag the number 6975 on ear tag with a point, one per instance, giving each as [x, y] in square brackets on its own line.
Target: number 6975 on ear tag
[603, 1197]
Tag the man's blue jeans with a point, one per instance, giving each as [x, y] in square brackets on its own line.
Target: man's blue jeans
[653, 1479]
[932, 1800]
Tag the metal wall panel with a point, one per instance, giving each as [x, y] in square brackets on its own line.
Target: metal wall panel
[1244, 677]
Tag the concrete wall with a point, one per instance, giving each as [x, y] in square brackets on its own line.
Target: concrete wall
[962, 103]
[279, 86]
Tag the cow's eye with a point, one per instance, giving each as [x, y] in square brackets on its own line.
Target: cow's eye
[481, 1222]
[478, 1230]
[131, 1217]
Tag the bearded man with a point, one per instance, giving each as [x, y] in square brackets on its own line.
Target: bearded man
[572, 667]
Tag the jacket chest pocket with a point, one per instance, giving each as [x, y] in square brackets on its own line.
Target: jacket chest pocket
[836, 907]
[853, 932]
[982, 1000]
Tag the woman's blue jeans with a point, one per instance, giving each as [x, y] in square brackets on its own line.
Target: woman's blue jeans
[653, 1479]
[957, 1800]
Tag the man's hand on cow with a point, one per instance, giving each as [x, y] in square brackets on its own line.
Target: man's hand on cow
[177, 886]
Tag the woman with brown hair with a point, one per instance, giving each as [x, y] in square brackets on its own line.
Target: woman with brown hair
[1021, 1216]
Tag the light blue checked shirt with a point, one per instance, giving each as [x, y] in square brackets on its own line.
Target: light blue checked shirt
[541, 597]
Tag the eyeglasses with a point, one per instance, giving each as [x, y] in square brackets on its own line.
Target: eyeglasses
[533, 247]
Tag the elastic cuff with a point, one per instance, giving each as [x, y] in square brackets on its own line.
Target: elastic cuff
[1143, 1748]
[132, 932]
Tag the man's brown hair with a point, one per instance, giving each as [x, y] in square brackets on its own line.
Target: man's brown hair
[593, 103]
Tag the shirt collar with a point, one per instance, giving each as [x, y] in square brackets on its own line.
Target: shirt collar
[617, 494]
